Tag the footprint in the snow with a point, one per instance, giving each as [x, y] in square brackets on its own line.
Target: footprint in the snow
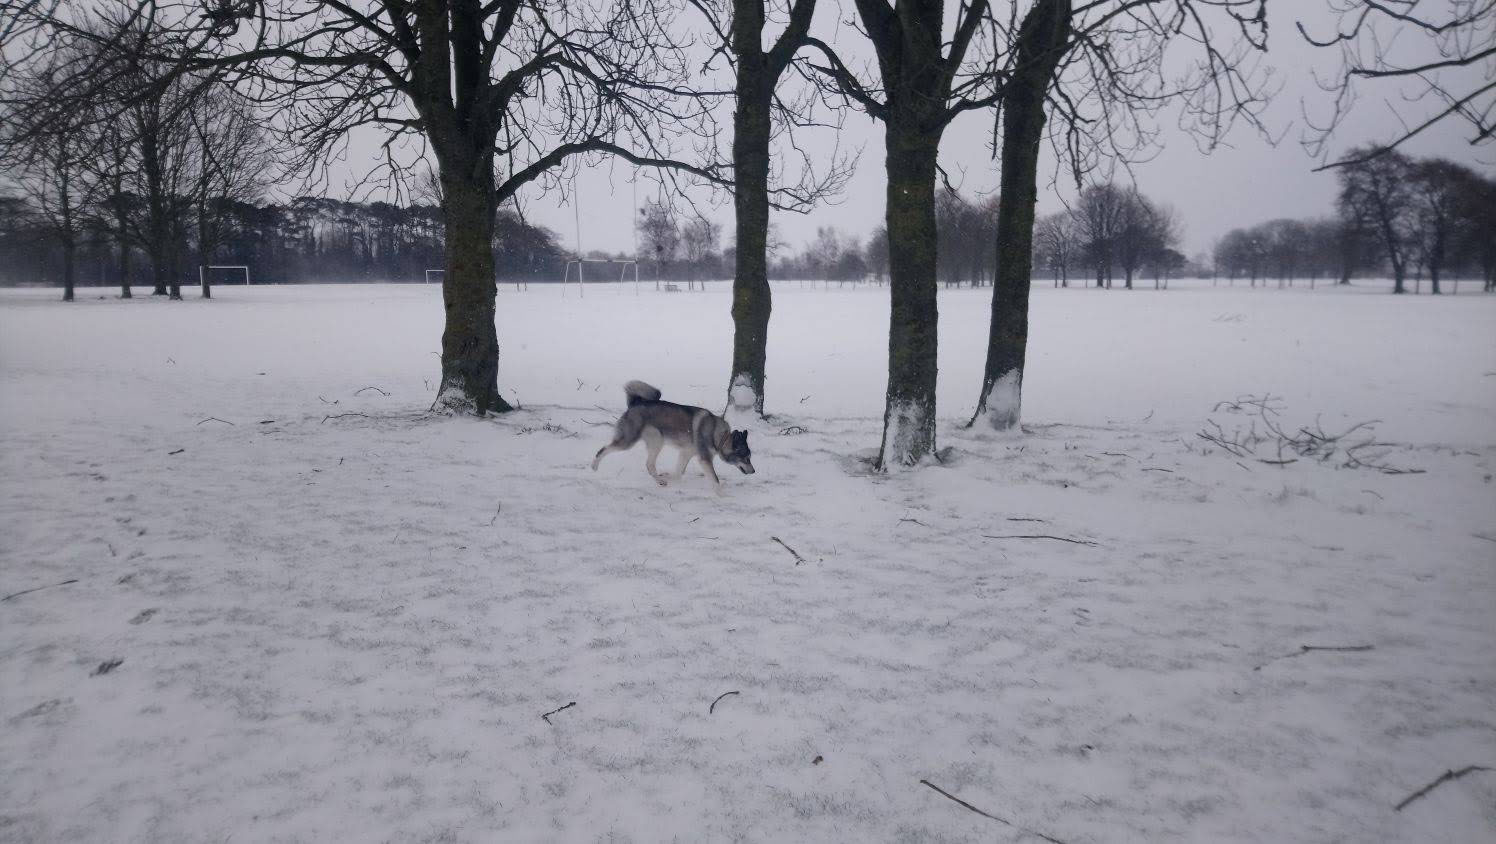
[42, 708]
[143, 616]
[106, 666]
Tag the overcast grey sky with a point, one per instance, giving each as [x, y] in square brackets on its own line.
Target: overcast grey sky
[1245, 183]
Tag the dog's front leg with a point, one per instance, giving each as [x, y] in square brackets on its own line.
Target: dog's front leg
[711, 471]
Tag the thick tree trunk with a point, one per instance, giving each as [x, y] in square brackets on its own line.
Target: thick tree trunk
[470, 342]
[751, 297]
[909, 411]
[1040, 44]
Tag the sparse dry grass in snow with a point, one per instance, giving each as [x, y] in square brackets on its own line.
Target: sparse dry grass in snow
[348, 628]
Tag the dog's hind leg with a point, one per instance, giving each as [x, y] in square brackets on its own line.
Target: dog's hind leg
[624, 437]
[654, 441]
[680, 467]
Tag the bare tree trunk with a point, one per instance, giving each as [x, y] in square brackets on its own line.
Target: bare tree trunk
[752, 299]
[1041, 44]
[65, 233]
[470, 342]
[909, 411]
[124, 269]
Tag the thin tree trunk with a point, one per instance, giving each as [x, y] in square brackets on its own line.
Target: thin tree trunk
[69, 240]
[751, 296]
[1040, 44]
[124, 269]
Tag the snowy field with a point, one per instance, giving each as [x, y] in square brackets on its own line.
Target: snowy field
[333, 616]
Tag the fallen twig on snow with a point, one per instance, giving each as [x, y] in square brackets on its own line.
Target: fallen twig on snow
[798, 559]
[713, 707]
[1039, 536]
[916, 521]
[547, 716]
[946, 794]
[1157, 469]
[1023, 519]
[1356, 447]
[341, 415]
[792, 430]
[1305, 649]
[496, 513]
[178, 451]
[375, 389]
[215, 419]
[325, 401]
[37, 589]
[1445, 777]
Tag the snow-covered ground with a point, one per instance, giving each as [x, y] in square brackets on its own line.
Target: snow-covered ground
[340, 618]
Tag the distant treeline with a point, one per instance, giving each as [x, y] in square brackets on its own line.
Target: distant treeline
[1396, 217]
[309, 239]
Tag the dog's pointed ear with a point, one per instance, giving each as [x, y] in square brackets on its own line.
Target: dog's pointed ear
[740, 437]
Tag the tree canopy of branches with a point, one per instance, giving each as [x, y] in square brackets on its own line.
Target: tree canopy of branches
[1431, 63]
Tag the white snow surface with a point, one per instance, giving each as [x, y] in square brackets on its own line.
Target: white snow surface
[341, 617]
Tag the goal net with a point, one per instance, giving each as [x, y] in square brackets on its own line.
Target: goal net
[601, 271]
[433, 276]
[205, 276]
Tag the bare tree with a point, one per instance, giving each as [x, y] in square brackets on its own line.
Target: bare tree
[48, 158]
[1438, 60]
[759, 116]
[699, 239]
[1054, 238]
[659, 235]
[1092, 75]
[1376, 192]
[231, 164]
[922, 89]
[1440, 194]
[1098, 216]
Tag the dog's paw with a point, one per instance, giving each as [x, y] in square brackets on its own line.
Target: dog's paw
[662, 480]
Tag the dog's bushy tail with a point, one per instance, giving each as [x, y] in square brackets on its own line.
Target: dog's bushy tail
[638, 391]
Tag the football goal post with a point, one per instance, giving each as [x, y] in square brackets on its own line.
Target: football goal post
[439, 275]
[625, 268]
[203, 271]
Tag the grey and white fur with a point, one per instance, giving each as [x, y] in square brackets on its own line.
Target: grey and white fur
[695, 431]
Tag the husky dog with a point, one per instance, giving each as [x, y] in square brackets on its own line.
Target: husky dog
[696, 431]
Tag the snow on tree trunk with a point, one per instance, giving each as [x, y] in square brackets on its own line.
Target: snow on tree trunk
[1001, 411]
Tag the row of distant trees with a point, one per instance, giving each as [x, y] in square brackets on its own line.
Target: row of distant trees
[307, 239]
[1112, 233]
[154, 176]
[1396, 216]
